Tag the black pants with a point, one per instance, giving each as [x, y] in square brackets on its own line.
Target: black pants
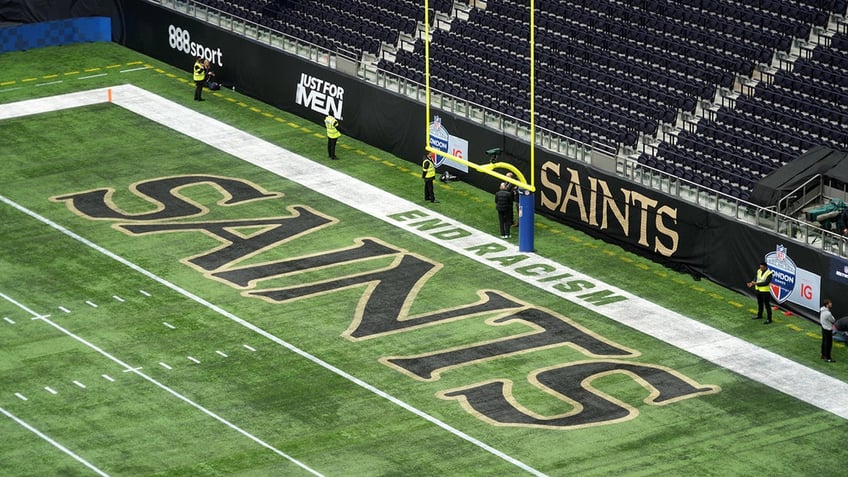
[827, 343]
[198, 90]
[764, 301]
[429, 195]
[505, 221]
[331, 147]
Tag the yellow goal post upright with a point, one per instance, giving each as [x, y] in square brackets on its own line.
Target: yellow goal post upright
[527, 188]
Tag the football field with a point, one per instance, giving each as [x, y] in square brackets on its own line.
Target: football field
[190, 289]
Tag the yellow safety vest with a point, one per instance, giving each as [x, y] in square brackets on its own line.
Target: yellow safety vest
[761, 277]
[199, 71]
[330, 122]
[427, 169]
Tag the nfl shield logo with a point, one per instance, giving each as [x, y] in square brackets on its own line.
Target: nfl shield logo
[780, 253]
[437, 123]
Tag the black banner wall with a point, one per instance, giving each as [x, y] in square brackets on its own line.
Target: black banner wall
[663, 228]
[33, 11]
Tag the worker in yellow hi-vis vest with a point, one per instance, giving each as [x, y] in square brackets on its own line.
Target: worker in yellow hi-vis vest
[428, 173]
[333, 134]
[762, 286]
[199, 76]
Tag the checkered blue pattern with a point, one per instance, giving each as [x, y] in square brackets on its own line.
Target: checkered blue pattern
[59, 32]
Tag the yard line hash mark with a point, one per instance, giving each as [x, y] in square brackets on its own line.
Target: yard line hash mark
[144, 293]
[91, 303]
[137, 371]
[165, 365]
[21, 397]
[8, 320]
[79, 384]
[108, 378]
[221, 353]
[134, 69]
[251, 348]
[116, 297]
[62, 308]
[193, 360]
[53, 443]
[50, 390]
[169, 325]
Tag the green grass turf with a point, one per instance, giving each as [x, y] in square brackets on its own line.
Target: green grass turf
[132, 427]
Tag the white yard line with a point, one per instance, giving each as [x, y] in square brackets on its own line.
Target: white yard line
[127, 368]
[54, 443]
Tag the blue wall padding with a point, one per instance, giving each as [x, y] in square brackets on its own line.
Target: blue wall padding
[59, 32]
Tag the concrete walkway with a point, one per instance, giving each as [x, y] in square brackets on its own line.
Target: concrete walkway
[727, 351]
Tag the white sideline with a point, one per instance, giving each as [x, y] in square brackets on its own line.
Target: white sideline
[53, 443]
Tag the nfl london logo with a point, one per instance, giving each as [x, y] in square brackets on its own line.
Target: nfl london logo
[780, 253]
[437, 123]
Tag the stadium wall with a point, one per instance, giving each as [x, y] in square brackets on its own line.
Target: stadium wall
[55, 33]
[645, 221]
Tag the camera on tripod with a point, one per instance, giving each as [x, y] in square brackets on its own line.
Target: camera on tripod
[493, 154]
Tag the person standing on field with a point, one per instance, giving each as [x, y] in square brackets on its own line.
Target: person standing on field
[827, 321]
[333, 134]
[428, 173]
[199, 76]
[503, 204]
[762, 286]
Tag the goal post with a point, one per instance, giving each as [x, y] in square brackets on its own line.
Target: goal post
[527, 188]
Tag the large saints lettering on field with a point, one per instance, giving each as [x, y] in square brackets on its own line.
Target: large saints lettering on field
[391, 279]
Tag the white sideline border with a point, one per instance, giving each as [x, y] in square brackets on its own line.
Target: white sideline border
[722, 349]
[52, 442]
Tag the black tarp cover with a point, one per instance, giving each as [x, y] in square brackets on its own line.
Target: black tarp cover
[818, 160]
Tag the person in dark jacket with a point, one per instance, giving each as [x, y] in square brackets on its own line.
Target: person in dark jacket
[503, 204]
[828, 322]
